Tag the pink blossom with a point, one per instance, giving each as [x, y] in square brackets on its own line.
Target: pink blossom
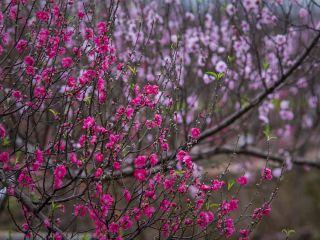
[127, 195]
[140, 174]
[229, 206]
[181, 154]
[18, 96]
[99, 157]
[82, 140]
[88, 33]
[42, 16]
[205, 187]
[153, 159]
[266, 174]
[38, 160]
[88, 123]
[30, 70]
[242, 180]
[229, 227]
[107, 200]
[149, 211]
[21, 45]
[140, 161]
[39, 92]
[81, 14]
[217, 185]
[244, 234]
[221, 67]
[60, 171]
[165, 205]
[25, 179]
[303, 13]
[116, 166]
[167, 184]
[165, 147]
[114, 227]
[67, 62]
[263, 211]
[25, 227]
[195, 132]
[137, 213]
[182, 188]
[129, 112]
[205, 218]
[102, 27]
[151, 89]
[93, 140]
[120, 66]
[98, 173]
[126, 222]
[29, 61]
[74, 160]
[157, 120]
[199, 203]
[280, 39]
[2, 132]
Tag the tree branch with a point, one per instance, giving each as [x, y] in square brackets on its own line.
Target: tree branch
[25, 200]
[256, 152]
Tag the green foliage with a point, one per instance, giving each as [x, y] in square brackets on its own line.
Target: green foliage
[18, 156]
[276, 104]
[265, 65]
[212, 206]
[180, 106]
[133, 70]
[231, 183]
[231, 59]
[215, 74]
[288, 232]
[268, 132]
[87, 100]
[244, 101]
[179, 172]
[85, 237]
[55, 113]
[6, 142]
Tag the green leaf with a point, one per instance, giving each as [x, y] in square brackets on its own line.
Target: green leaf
[18, 156]
[220, 75]
[244, 102]
[288, 232]
[268, 132]
[53, 205]
[214, 205]
[276, 104]
[55, 113]
[85, 237]
[224, 7]
[125, 151]
[179, 172]
[5, 142]
[207, 205]
[87, 100]
[231, 182]
[265, 65]
[133, 70]
[132, 85]
[180, 106]
[215, 74]
[231, 59]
